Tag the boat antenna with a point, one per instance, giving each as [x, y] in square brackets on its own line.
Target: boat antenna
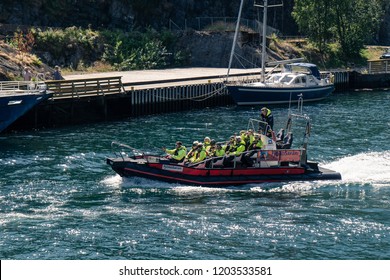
[235, 39]
[264, 38]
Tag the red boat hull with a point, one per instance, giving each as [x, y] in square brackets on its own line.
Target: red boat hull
[219, 177]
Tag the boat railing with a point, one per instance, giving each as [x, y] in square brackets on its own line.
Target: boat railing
[258, 126]
[257, 158]
[22, 86]
[124, 151]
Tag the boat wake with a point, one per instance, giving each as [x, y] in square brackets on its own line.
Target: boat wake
[366, 168]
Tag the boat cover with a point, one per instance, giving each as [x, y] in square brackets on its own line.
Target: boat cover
[312, 67]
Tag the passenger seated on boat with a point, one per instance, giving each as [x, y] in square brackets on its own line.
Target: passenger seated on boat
[256, 145]
[286, 143]
[217, 155]
[248, 138]
[239, 148]
[219, 150]
[201, 153]
[207, 143]
[230, 146]
[211, 148]
[191, 155]
[177, 154]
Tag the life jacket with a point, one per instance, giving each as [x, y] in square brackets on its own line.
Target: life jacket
[201, 155]
[180, 153]
[240, 148]
[219, 153]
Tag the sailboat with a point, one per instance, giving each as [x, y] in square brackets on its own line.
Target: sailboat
[295, 80]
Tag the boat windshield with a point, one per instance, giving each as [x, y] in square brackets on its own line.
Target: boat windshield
[274, 78]
[286, 79]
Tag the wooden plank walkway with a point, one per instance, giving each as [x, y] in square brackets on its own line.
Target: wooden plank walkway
[143, 79]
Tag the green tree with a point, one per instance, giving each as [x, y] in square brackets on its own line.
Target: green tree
[314, 20]
[356, 23]
[350, 23]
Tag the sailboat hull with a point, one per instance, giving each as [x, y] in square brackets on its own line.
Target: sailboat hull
[252, 95]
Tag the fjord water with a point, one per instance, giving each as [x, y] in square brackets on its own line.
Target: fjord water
[59, 199]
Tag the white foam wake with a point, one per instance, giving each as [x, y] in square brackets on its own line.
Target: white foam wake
[371, 168]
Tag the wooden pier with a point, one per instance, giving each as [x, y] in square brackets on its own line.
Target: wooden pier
[110, 96]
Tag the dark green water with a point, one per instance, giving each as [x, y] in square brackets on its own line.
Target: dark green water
[59, 200]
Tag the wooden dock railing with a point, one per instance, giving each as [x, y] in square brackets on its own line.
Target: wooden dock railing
[379, 66]
[78, 88]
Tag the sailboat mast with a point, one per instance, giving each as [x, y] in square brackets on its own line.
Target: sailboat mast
[264, 41]
[235, 39]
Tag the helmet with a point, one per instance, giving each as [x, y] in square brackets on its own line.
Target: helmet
[212, 142]
[195, 143]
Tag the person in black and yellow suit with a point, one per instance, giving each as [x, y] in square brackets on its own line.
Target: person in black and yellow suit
[201, 153]
[266, 116]
[177, 154]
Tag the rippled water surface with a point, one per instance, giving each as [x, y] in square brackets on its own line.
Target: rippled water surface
[59, 200]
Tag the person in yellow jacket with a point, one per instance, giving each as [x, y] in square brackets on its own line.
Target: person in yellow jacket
[231, 145]
[256, 145]
[177, 154]
[219, 150]
[192, 153]
[267, 117]
[201, 153]
[240, 147]
[207, 143]
[250, 137]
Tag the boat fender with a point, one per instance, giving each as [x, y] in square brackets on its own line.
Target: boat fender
[331, 78]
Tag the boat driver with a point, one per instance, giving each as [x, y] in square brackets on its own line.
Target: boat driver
[266, 116]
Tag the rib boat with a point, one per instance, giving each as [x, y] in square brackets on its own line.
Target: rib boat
[17, 98]
[277, 161]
